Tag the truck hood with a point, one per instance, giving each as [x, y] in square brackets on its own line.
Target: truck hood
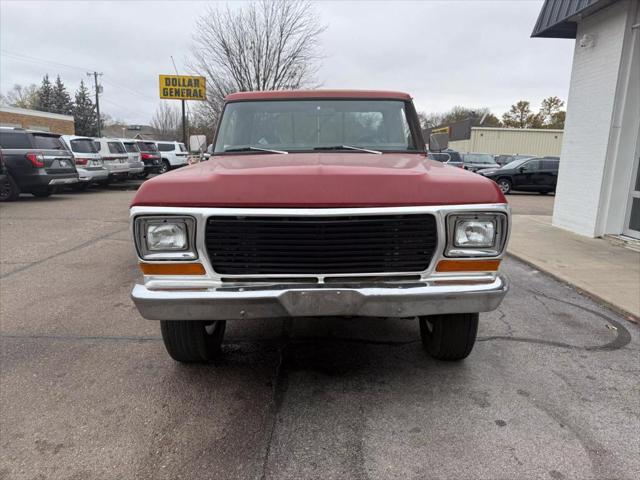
[317, 180]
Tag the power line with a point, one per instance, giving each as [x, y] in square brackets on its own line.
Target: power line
[32, 59]
[36, 60]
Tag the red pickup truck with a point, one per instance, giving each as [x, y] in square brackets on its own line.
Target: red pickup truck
[318, 203]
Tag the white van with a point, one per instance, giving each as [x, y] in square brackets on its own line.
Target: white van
[87, 159]
[114, 156]
[174, 155]
[136, 165]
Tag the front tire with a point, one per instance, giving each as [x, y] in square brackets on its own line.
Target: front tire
[505, 185]
[9, 190]
[450, 336]
[193, 341]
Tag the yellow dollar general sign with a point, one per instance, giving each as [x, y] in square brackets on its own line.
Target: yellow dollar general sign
[441, 130]
[182, 87]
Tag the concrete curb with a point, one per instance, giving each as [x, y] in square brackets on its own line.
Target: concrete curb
[620, 311]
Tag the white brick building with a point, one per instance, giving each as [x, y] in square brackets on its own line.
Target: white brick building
[598, 190]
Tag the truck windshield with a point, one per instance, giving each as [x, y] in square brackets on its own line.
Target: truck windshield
[83, 145]
[311, 125]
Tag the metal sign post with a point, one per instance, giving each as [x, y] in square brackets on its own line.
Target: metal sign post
[184, 124]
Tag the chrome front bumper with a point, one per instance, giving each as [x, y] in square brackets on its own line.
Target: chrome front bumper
[382, 300]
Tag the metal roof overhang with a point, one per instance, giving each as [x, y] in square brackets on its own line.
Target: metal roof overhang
[558, 18]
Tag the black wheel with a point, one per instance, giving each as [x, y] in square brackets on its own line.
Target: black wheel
[449, 337]
[192, 341]
[143, 175]
[9, 190]
[164, 167]
[505, 185]
[80, 186]
[42, 192]
[104, 183]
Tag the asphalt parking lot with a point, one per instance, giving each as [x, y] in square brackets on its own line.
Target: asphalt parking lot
[88, 392]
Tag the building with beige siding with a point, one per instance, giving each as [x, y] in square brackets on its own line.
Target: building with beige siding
[36, 120]
[511, 141]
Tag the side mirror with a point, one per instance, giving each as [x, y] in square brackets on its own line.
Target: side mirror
[521, 169]
[438, 142]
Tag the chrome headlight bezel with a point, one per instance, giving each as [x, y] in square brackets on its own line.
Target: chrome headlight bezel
[496, 249]
[141, 225]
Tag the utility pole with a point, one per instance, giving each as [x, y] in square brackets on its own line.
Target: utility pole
[95, 78]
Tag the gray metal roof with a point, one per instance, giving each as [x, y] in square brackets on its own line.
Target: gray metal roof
[557, 18]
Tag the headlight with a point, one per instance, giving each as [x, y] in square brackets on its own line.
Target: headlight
[476, 234]
[165, 238]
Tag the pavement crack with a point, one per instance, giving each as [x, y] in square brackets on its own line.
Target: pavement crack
[64, 252]
[280, 386]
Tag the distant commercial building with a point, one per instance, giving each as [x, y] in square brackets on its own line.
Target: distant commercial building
[598, 190]
[36, 120]
[510, 141]
[470, 136]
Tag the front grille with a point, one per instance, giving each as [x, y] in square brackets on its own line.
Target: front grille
[241, 245]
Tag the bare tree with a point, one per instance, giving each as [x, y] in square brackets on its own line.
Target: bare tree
[265, 45]
[22, 96]
[457, 114]
[166, 122]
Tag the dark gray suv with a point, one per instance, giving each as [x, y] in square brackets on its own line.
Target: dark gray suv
[37, 161]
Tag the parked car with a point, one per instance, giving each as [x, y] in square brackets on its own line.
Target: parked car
[89, 164]
[150, 156]
[37, 161]
[538, 174]
[8, 188]
[174, 155]
[136, 165]
[114, 157]
[448, 156]
[477, 161]
[311, 212]
[504, 159]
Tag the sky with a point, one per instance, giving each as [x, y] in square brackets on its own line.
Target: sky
[473, 53]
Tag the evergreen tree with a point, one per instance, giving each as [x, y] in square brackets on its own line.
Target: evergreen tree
[61, 100]
[45, 95]
[84, 113]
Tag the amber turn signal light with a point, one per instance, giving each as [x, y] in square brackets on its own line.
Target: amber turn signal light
[467, 265]
[172, 268]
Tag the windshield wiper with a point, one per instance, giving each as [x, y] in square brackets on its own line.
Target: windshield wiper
[348, 147]
[256, 149]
